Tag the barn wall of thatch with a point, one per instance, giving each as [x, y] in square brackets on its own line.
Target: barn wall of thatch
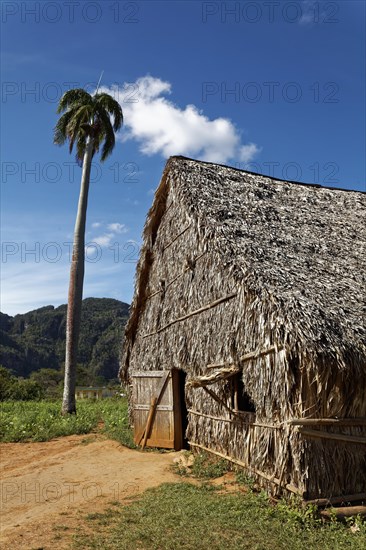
[180, 271]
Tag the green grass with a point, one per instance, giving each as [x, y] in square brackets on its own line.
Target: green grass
[185, 516]
[205, 466]
[178, 515]
[114, 414]
[42, 420]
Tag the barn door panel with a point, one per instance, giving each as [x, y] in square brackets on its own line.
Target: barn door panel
[166, 427]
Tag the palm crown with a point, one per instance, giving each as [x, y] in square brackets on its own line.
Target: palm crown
[88, 116]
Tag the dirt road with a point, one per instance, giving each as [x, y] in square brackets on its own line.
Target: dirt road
[46, 486]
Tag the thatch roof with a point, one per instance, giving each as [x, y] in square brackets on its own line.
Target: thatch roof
[238, 266]
[302, 247]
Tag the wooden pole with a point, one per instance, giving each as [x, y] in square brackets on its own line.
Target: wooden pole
[335, 437]
[218, 376]
[358, 497]
[177, 237]
[218, 400]
[344, 512]
[247, 423]
[269, 478]
[169, 283]
[248, 357]
[327, 421]
[154, 401]
[195, 312]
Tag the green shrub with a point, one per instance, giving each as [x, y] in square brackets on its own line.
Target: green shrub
[18, 389]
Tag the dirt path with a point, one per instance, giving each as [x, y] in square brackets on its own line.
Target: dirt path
[46, 486]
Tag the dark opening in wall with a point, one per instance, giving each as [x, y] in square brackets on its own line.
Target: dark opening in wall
[241, 399]
[183, 405]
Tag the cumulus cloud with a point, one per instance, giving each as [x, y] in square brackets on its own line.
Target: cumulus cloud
[117, 227]
[104, 240]
[112, 230]
[161, 127]
[248, 152]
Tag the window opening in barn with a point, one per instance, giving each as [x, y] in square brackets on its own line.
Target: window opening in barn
[241, 400]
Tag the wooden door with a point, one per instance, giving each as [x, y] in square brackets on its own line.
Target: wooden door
[166, 426]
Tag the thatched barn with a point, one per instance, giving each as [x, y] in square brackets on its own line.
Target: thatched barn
[247, 332]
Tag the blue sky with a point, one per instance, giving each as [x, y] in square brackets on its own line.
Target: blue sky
[272, 87]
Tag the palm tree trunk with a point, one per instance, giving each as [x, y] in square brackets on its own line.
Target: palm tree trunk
[76, 287]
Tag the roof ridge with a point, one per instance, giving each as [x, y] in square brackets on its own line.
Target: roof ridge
[314, 185]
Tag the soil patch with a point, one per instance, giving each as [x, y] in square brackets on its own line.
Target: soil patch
[47, 488]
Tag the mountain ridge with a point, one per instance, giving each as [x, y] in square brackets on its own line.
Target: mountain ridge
[36, 339]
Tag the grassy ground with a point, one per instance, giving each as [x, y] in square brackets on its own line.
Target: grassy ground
[178, 515]
[186, 516]
[42, 421]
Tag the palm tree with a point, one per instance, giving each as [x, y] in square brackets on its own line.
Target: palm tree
[85, 123]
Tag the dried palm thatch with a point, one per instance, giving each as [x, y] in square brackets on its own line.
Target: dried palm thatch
[237, 264]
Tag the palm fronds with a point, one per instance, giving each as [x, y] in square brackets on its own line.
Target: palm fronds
[86, 117]
[73, 96]
[111, 106]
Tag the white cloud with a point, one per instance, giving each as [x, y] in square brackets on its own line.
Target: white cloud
[248, 152]
[106, 239]
[96, 224]
[161, 127]
[103, 240]
[117, 227]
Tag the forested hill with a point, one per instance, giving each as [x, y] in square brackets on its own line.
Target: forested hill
[36, 340]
